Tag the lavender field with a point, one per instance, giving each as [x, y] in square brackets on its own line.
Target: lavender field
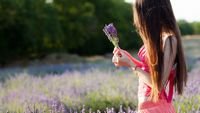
[95, 88]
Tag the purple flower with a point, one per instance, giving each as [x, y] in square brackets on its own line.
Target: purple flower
[110, 30]
[111, 33]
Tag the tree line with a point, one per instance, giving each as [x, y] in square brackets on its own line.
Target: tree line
[35, 28]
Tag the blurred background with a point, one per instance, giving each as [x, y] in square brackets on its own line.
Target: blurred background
[56, 58]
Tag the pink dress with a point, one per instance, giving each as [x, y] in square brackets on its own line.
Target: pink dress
[164, 104]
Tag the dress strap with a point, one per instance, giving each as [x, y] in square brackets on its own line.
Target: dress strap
[171, 85]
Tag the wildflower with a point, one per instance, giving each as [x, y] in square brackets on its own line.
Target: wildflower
[111, 33]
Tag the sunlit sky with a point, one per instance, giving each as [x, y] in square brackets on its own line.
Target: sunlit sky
[184, 9]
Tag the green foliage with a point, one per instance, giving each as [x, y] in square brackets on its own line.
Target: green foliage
[196, 27]
[189, 28]
[34, 28]
[187, 105]
[99, 101]
[185, 27]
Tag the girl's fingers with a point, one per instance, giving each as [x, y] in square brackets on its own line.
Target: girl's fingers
[120, 57]
[115, 49]
[119, 53]
[116, 64]
[115, 59]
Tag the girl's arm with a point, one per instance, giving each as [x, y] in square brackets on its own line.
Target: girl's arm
[169, 57]
[125, 59]
[141, 74]
[134, 60]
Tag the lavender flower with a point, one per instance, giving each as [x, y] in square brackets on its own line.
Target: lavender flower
[111, 33]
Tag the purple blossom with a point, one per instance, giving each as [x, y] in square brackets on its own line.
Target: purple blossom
[111, 33]
[67, 92]
[111, 30]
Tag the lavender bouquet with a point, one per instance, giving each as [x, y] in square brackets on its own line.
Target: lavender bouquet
[111, 33]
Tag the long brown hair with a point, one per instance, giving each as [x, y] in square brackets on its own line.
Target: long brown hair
[152, 18]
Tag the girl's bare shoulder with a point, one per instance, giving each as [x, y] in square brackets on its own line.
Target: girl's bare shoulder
[166, 41]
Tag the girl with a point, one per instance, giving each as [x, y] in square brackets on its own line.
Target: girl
[162, 64]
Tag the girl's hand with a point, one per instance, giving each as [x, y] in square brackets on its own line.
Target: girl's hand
[121, 58]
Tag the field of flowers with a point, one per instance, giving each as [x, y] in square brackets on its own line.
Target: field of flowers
[83, 91]
[87, 88]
